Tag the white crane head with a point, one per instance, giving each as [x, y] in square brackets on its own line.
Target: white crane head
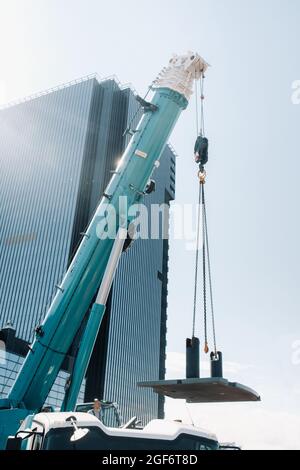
[181, 72]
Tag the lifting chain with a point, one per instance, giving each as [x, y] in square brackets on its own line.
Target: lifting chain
[201, 157]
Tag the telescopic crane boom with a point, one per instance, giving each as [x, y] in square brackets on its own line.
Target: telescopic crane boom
[91, 271]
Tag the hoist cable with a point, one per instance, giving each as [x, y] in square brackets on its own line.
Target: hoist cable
[203, 230]
[197, 260]
[202, 128]
[209, 278]
[196, 106]
[204, 271]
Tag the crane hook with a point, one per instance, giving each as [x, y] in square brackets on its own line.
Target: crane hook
[202, 175]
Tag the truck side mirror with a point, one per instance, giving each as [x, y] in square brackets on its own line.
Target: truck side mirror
[13, 443]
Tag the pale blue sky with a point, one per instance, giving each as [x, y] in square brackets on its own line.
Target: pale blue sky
[253, 172]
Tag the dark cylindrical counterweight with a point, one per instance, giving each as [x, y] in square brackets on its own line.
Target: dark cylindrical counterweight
[216, 366]
[192, 358]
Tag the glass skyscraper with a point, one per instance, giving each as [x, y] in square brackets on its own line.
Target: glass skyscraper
[58, 150]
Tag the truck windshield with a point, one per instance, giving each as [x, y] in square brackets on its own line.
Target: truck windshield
[110, 413]
[96, 439]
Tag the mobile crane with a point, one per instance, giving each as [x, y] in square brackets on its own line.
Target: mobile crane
[89, 279]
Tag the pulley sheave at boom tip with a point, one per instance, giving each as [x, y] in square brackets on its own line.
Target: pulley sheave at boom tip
[181, 73]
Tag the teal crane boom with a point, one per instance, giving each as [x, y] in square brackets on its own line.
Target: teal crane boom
[91, 271]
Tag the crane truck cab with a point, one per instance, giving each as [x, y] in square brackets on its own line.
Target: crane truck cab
[82, 431]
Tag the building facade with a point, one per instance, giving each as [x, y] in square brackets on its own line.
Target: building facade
[57, 153]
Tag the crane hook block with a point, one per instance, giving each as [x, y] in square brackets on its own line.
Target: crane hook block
[201, 150]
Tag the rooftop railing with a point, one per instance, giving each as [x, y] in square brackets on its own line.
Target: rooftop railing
[68, 84]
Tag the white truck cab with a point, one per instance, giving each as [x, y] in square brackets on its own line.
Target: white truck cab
[83, 431]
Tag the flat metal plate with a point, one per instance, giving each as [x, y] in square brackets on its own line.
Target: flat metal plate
[207, 390]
